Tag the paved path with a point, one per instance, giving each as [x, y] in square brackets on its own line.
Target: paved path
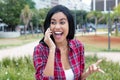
[109, 56]
[27, 49]
[20, 51]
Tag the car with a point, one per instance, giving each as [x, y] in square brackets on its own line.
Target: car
[38, 31]
[3, 26]
[90, 27]
[79, 30]
[114, 27]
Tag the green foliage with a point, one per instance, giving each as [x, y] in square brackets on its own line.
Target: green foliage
[42, 14]
[112, 70]
[22, 69]
[17, 69]
[95, 17]
[117, 10]
[80, 16]
[116, 31]
[10, 10]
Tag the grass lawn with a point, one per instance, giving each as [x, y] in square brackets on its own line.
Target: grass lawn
[12, 42]
[22, 69]
[100, 42]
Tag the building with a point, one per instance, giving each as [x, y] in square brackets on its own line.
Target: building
[75, 4]
[45, 3]
[71, 4]
[104, 5]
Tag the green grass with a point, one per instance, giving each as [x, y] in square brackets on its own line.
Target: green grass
[114, 35]
[112, 70]
[94, 48]
[102, 29]
[13, 42]
[17, 69]
[22, 69]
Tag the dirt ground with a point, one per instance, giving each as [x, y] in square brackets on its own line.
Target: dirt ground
[100, 41]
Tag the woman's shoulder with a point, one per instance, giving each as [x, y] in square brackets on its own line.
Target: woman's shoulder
[40, 46]
[75, 42]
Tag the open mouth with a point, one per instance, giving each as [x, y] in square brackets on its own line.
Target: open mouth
[58, 34]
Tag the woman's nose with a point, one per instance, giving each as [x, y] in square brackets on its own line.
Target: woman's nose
[57, 25]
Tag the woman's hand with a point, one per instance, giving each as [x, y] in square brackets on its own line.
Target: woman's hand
[92, 68]
[95, 68]
[48, 40]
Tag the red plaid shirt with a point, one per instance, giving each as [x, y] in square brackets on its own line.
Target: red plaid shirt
[76, 59]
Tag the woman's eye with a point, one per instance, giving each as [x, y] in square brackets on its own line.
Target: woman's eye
[62, 23]
[53, 23]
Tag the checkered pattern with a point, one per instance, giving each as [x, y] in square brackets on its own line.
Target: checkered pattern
[76, 59]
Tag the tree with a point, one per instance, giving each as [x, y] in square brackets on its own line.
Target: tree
[26, 16]
[80, 17]
[96, 16]
[42, 15]
[117, 15]
[10, 11]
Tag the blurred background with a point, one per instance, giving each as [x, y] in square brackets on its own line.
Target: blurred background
[27, 16]
[97, 26]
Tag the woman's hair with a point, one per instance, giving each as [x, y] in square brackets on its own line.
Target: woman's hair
[63, 9]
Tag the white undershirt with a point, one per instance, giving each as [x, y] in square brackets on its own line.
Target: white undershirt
[69, 74]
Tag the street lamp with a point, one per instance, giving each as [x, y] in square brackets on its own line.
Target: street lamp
[109, 27]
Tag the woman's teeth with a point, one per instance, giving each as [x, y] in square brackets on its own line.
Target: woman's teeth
[58, 33]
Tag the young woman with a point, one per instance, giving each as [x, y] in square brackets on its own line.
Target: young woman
[59, 56]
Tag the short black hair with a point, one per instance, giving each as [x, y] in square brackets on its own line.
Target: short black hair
[66, 11]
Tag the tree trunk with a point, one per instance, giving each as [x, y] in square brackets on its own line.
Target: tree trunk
[31, 25]
[25, 29]
[96, 25]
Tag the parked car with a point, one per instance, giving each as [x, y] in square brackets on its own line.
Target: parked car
[90, 27]
[79, 30]
[38, 31]
[114, 27]
[3, 26]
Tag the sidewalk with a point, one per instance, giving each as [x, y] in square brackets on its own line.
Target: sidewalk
[28, 49]
[109, 56]
[19, 51]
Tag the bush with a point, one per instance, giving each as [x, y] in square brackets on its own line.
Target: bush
[23, 69]
[17, 69]
[112, 70]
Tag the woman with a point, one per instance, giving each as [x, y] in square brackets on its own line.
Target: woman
[58, 56]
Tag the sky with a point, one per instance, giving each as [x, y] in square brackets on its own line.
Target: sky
[88, 2]
[85, 3]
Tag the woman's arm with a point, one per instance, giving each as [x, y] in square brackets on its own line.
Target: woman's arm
[92, 68]
[49, 68]
[40, 60]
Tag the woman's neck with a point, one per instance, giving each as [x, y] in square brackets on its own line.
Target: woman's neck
[62, 45]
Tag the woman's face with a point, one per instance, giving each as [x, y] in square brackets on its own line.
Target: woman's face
[59, 27]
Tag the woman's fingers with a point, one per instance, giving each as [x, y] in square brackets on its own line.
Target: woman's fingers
[48, 32]
[100, 70]
[95, 68]
[98, 62]
[48, 39]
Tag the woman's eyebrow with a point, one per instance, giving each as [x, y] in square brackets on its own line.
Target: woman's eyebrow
[63, 19]
[53, 19]
[60, 19]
